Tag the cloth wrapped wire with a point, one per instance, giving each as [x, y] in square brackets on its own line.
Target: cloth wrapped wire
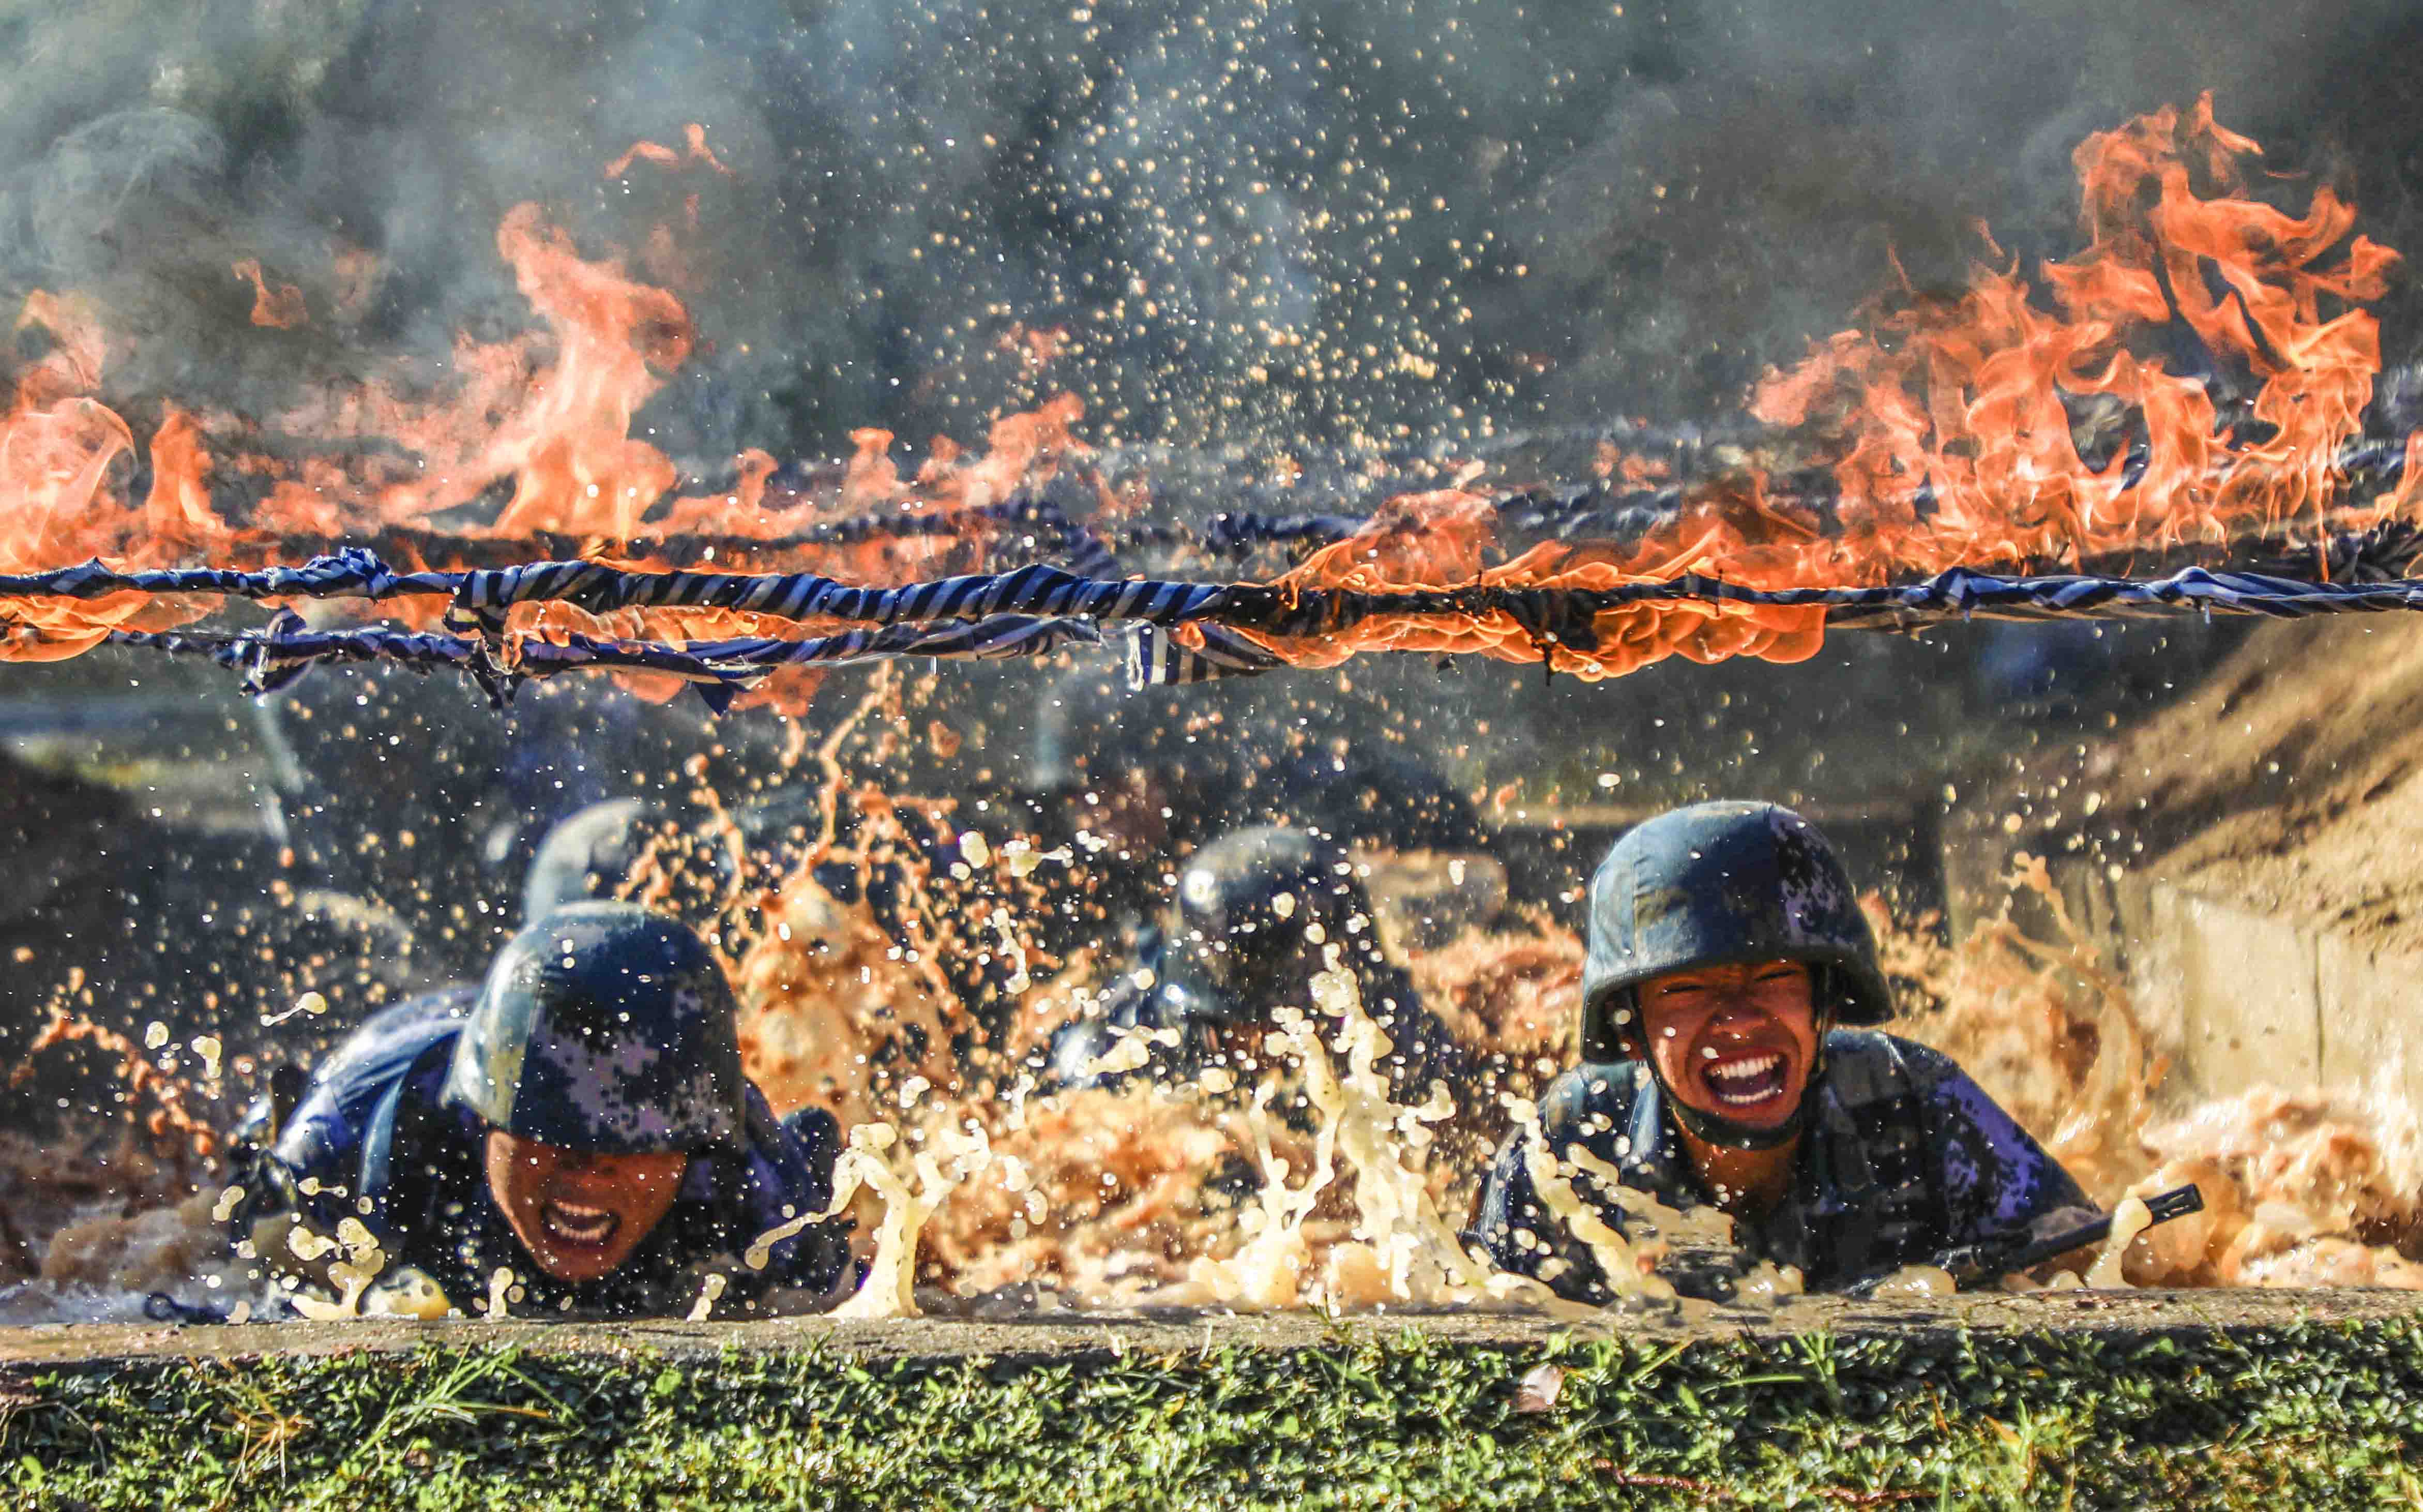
[483, 598]
[1000, 613]
[718, 670]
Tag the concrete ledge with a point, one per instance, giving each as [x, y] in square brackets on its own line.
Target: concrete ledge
[2369, 1015]
[2247, 1007]
[1050, 1336]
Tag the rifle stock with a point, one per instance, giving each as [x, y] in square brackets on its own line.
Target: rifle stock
[1974, 1264]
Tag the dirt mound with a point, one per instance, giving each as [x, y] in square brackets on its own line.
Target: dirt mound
[2289, 781]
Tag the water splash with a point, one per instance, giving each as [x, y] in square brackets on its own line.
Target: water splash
[953, 1153]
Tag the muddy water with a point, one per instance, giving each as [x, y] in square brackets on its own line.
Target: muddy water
[1201, 1193]
[2301, 1186]
[1285, 1176]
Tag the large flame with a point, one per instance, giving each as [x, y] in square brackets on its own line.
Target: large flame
[543, 419]
[1975, 396]
[60, 496]
[1953, 425]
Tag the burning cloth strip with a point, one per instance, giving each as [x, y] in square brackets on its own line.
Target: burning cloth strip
[483, 597]
[718, 669]
[1155, 657]
[1191, 630]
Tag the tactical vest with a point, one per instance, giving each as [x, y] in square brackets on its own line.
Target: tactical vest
[1904, 1158]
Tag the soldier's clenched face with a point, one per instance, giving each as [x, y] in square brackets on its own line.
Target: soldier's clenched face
[580, 1214]
[1735, 1041]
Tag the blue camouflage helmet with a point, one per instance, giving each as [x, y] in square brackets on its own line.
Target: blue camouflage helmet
[1719, 884]
[604, 1027]
[585, 856]
[1255, 909]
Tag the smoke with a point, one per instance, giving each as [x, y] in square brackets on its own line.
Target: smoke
[1752, 164]
[1276, 224]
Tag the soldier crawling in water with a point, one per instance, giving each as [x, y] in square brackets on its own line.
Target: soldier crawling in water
[1257, 915]
[1727, 1058]
[578, 1124]
[581, 1120]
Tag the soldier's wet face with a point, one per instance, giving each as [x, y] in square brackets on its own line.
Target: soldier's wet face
[580, 1214]
[1736, 1042]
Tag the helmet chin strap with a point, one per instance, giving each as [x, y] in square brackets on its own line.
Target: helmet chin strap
[1715, 1128]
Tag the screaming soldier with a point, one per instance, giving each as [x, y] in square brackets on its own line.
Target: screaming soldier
[580, 1120]
[1726, 1059]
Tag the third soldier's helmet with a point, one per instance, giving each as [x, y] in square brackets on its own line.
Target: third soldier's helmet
[585, 856]
[1715, 884]
[1255, 910]
[604, 1027]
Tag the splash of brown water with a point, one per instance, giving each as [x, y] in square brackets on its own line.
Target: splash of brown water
[2312, 1186]
[1102, 1194]
[1314, 1187]
[170, 1129]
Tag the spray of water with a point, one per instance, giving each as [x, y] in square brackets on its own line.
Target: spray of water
[1347, 1192]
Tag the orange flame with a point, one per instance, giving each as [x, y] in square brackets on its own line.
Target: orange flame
[280, 308]
[664, 156]
[558, 429]
[1969, 395]
[577, 465]
[58, 501]
[548, 414]
[1952, 425]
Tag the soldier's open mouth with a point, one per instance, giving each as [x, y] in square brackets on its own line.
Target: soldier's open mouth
[1748, 1081]
[569, 1223]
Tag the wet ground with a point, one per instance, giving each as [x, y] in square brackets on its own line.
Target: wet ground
[2145, 1314]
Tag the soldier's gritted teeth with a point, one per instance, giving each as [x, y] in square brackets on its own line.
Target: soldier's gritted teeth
[1735, 1041]
[580, 1214]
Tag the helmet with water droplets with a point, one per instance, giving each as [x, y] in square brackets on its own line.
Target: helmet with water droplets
[1720, 884]
[604, 1027]
[1257, 909]
[585, 856]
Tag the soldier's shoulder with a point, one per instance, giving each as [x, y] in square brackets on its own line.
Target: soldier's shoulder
[1608, 1088]
[1868, 1065]
[348, 1084]
[389, 1040]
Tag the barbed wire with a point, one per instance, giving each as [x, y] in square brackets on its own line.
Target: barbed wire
[1177, 631]
[273, 658]
[1033, 609]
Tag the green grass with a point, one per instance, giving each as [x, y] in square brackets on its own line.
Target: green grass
[2313, 1416]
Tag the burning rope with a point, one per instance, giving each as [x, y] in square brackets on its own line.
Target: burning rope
[483, 597]
[1184, 631]
[272, 658]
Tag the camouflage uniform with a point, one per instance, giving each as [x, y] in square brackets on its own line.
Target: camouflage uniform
[1902, 1159]
[557, 1047]
[1901, 1156]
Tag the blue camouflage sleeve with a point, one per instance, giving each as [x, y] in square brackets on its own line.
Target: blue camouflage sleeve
[791, 1171]
[1996, 1180]
[338, 1136]
[1515, 1229]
